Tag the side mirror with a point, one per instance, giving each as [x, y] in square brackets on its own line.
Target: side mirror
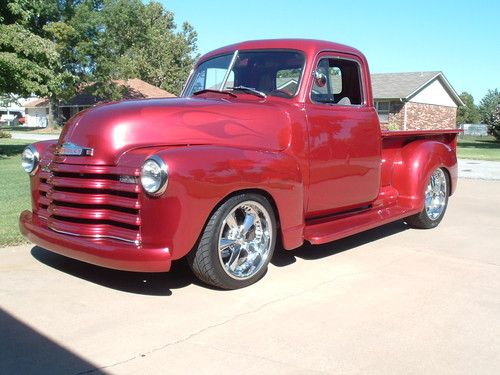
[319, 79]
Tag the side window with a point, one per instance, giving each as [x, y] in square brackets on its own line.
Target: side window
[338, 82]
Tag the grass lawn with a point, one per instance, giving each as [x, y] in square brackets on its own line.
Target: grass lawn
[14, 190]
[483, 148]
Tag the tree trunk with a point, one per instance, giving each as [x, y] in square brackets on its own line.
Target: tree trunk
[52, 115]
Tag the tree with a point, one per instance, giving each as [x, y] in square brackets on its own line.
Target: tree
[489, 109]
[495, 124]
[468, 114]
[142, 41]
[121, 39]
[28, 60]
[55, 48]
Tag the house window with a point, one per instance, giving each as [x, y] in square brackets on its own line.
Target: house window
[383, 109]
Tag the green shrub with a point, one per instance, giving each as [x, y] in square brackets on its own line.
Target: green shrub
[5, 134]
[393, 126]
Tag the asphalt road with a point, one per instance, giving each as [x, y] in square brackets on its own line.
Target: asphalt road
[389, 301]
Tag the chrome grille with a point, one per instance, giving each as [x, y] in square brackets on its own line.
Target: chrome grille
[90, 201]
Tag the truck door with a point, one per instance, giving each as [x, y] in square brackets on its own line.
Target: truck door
[344, 137]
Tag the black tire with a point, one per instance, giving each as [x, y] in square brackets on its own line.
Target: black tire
[204, 259]
[422, 219]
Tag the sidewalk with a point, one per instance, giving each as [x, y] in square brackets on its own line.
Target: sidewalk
[34, 137]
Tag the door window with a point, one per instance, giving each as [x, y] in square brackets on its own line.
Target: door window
[337, 81]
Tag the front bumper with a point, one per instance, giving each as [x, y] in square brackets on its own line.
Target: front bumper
[101, 252]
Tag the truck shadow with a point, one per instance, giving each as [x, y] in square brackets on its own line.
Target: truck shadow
[180, 276]
[154, 284]
[24, 350]
[282, 258]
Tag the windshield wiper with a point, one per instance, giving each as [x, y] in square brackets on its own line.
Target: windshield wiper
[248, 90]
[212, 90]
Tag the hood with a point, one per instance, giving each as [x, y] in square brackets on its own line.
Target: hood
[111, 129]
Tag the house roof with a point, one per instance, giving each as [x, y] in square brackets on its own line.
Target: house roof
[407, 85]
[135, 88]
[40, 102]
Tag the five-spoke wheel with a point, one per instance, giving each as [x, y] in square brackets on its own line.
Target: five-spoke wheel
[237, 243]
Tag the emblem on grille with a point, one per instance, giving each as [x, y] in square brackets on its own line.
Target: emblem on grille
[70, 149]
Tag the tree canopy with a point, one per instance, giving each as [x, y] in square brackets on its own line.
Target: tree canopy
[29, 61]
[53, 47]
[489, 109]
[468, 114]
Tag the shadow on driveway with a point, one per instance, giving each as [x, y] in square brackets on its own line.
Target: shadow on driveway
[154, 284]
[180, 276]
[307, 251]
[23, 350]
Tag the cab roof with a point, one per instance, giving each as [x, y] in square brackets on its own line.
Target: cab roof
[309, 46]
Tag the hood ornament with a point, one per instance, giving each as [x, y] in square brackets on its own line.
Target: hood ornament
[70, 149]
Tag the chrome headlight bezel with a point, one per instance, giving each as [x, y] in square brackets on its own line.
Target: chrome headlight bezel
[30, 164]
[161, 176]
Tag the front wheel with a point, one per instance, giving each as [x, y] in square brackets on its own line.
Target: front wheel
[237, 243]
[436, 202]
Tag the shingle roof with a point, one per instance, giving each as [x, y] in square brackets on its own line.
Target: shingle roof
[40, 102]
[399, 85]
[137, 88]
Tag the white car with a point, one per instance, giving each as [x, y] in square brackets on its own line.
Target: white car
[12, 116]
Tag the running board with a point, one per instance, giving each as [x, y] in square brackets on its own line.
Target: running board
[327, 230]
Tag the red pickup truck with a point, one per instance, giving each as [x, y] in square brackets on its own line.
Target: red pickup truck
[273, 139]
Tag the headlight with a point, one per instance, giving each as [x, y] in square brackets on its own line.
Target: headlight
[154, 176]
[30, 159]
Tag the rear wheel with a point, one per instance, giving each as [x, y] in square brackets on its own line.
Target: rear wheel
[436, 201]
[237, 243]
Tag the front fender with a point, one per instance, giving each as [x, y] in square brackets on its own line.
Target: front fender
[201, 177]
[414, 166]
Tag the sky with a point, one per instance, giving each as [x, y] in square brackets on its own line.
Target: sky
[459, 38]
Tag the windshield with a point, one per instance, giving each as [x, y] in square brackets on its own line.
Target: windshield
[275, 73]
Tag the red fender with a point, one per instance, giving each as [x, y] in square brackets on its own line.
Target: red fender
[414, 166]
[201, 177]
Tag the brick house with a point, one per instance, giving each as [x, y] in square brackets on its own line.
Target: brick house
[37, 110]
[410, 101]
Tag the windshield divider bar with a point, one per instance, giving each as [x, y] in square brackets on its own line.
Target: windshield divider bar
[231, 64]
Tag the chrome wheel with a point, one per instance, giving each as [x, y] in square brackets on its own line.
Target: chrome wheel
[435, 195]
[245, 240]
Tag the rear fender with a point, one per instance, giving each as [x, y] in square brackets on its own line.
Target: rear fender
[414, 166]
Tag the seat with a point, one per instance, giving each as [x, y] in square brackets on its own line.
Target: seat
[344, 101]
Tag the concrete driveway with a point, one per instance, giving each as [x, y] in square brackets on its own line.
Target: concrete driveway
[479, 169]
[389, 301]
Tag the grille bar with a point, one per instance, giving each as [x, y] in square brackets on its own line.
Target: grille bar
[94, 214]
[93, 199]
[84, 183]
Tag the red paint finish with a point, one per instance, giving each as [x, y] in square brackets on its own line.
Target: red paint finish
[327, 169]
